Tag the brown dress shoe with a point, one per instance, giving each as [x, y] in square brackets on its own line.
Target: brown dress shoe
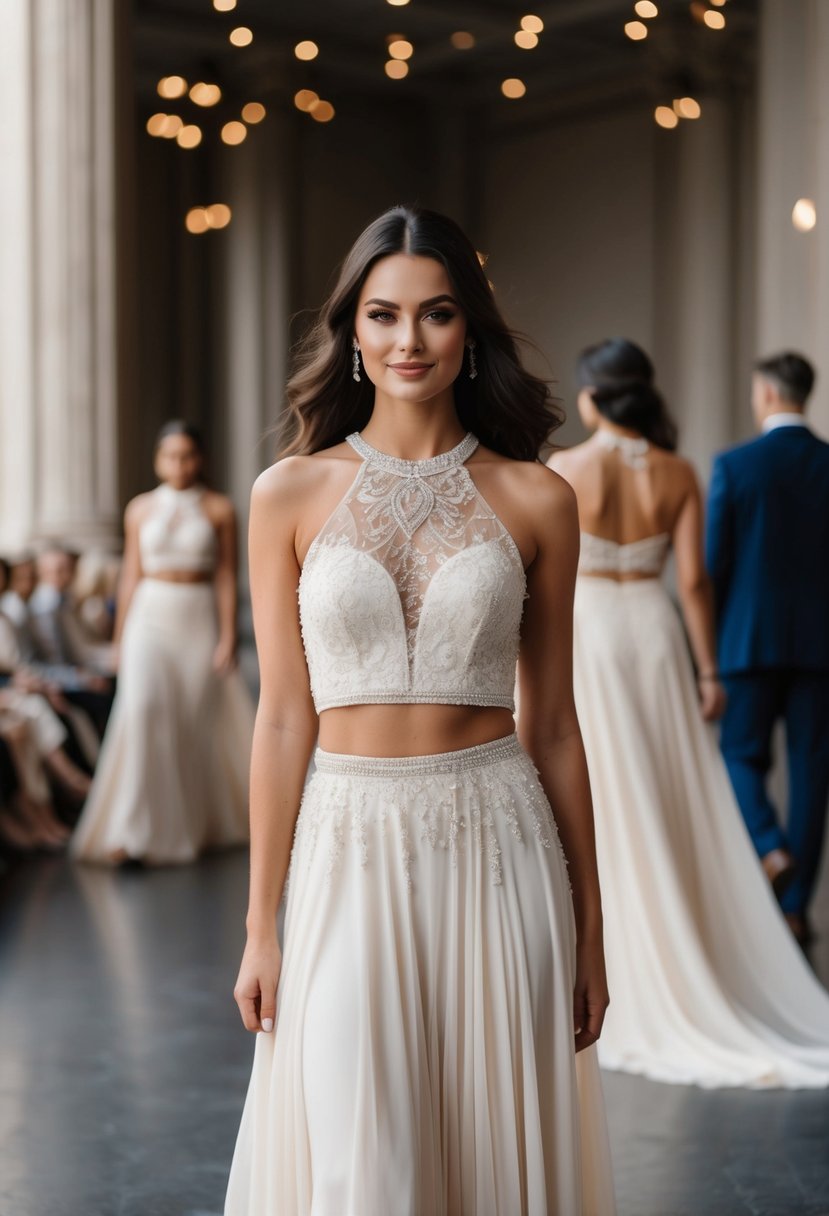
[780, 867]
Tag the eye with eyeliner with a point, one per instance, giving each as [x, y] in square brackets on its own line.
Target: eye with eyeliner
[441, 316]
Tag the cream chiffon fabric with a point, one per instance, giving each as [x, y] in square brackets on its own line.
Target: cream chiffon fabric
[706, 982]
[422, 1062]
[173, 771]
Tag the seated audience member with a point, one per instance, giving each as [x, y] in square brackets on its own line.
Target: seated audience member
[95, 590]
[59, 633]
[86, 690]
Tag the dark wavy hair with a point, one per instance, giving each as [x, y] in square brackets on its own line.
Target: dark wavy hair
[178, 426]
[620, 377]
[509, 409]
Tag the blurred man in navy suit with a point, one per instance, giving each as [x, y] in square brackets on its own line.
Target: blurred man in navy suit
[768, 555]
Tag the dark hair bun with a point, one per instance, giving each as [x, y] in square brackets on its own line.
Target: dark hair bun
[620, 377]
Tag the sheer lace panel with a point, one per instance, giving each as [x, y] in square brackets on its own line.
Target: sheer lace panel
[601, 556]
[413, 590]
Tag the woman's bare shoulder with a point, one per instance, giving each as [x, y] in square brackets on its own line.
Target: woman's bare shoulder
[292, 480]
[138, 507]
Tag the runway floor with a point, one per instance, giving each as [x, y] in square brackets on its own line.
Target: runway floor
[123, 1066]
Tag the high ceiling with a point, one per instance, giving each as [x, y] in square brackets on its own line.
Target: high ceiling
[583, 52]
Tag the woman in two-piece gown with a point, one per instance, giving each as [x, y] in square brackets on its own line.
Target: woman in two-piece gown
[708, 984]
[171, 780]
[421, 1028]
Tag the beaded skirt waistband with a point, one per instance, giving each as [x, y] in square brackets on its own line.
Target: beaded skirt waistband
[479, 756]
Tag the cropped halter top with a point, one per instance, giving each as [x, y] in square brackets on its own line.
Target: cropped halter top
[177, 535]
[413, 590]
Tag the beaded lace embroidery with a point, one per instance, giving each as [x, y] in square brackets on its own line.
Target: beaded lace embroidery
[413, 591]
[477, 793]
[598, 555]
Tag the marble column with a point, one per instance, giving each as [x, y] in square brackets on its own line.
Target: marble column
[59, 371]
[696, 347]
[793, 163]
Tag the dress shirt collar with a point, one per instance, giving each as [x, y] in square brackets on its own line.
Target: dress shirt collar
[783, 418]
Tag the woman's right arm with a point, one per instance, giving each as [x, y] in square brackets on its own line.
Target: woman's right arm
[131, 566]
[697, 599]
[285, 732]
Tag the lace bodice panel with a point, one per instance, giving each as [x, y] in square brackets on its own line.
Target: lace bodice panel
[413, 591]
[601, 556]
[177, 535]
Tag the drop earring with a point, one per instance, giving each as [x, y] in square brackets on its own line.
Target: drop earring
[355, 363]
[473, 366]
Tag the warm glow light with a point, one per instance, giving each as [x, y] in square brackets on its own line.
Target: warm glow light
[224, 6]
[241, 36]
[636, 31]
[217, 215]
[156, 124]
[397, 3]
[189, 136]
[234, 133]
[513, 87]
[687, 107]
[804, 215]
[462, 40]
[533, 25]
[196, 221]
[396, 69]
[665, 117]
[205, 94]
[718, 3]
[714, 21]
[401, 49]
[173, 124]
[323, 111]
[645, 8]
[306, 50]
[253, 112]
[305, 99]
[172, 86]
[526, 40]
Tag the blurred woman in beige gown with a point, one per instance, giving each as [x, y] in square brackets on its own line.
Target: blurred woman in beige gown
[172, 776]
[708, 984]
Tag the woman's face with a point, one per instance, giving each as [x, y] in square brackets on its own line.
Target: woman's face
[410, 328]
[587, 409]
[178, 462]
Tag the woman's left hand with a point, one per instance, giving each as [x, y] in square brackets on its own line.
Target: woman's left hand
[590, 996]
[224, 656]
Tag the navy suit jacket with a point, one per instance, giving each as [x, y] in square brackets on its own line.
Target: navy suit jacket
[767, 551]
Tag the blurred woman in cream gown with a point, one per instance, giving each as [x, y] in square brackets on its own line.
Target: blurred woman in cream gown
[708, 984]
[172, 776]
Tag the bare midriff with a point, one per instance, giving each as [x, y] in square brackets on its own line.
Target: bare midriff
[181, 576]
[630, 576]
[410, 730]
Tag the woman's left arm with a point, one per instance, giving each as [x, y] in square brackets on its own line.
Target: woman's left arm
[225, 583]
[549, 731]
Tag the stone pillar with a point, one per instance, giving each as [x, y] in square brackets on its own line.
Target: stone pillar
[696, 267]
[59, 372]
[793, 163]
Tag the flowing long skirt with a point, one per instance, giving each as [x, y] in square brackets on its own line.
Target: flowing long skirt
[422, 1062]
[707, 984]
[172, 776]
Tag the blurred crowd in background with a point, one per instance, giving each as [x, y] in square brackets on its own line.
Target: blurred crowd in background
[57, 683]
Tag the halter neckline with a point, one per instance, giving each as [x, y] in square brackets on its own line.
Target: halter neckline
[457, 455]
[633, 451]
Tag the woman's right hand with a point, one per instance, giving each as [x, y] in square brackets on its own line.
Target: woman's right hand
[255, 991]
[712, 699]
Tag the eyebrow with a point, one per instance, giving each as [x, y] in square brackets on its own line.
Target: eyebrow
[425, 304]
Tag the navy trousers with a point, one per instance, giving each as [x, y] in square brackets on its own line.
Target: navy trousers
[756, 702]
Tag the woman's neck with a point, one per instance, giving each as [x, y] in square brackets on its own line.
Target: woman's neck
[413, 431]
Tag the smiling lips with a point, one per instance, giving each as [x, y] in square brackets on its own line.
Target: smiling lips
[411, 370]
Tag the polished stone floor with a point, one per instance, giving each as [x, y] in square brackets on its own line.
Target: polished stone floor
[123, 1066]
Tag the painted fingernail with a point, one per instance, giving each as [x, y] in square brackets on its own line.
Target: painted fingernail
[267, 1024]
